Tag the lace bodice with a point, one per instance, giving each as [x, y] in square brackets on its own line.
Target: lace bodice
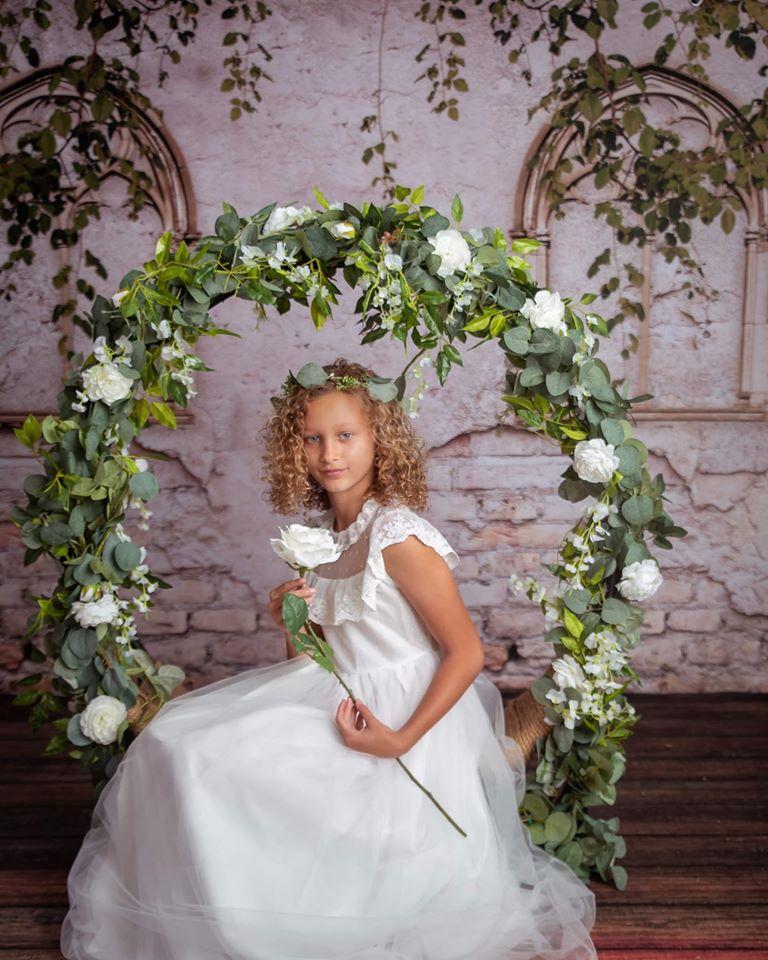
[346, 587]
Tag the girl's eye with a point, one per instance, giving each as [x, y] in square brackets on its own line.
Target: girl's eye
[343, 433]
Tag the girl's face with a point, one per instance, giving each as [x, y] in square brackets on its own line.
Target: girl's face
[338, 437]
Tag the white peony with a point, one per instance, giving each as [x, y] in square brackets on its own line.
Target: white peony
[90, 613]
[640, 580]
[453, 249]
[594, 460]
[283, 217]
[342, 230]
[101, 718]
[568, 673]
[302, 546]
[545, 310]
[103, 381]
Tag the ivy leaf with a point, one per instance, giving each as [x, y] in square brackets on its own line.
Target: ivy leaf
[457, 209]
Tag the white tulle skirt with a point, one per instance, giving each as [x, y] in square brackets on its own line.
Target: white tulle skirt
[239, 826]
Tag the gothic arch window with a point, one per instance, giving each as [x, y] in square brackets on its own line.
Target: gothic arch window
[170, 205]
[741, 388]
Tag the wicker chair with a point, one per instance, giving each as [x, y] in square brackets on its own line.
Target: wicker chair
[524, 720]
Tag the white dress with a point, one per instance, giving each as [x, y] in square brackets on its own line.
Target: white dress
[239, 826]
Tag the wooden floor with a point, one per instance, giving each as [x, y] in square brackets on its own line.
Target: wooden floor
[692, 806]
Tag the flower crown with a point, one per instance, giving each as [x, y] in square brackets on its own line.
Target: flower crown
[312, 374]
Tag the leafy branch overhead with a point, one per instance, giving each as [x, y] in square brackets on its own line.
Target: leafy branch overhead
[656, 189]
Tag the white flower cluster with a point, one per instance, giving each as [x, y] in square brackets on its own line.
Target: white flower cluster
[388, 298]
[582, 540]
[178, 350]
[412, 404]
[283, 217]
[280, 259]
[592, 683]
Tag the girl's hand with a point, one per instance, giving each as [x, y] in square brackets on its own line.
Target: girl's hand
[298, 587]
[362, 731]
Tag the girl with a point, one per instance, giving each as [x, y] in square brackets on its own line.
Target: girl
[263, 817]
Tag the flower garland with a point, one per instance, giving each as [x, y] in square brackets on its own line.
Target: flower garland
[421, 280]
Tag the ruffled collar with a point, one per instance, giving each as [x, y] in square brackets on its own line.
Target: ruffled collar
[351, 534]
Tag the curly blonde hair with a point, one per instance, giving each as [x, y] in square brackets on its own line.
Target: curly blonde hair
[399, 460]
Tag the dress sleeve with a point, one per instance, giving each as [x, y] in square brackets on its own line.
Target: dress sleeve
[394, 526]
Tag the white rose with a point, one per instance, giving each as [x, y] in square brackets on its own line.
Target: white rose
[119, 297]
[103, 381]
[545, 310]
[302, 546]
[342, 230]
[568, 673]
[454, 250]
[101, 718]
[283, 217]
[640, 580]
[90, 613]
[594, 460]
[393, 261]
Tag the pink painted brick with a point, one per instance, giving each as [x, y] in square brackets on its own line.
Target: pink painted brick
[509, 442]
[192, 651]
[14, 620]
[654, 621]
[496, 655]
[510, 506]
[159, 622]
[188, 590]
[695, 621]
[540, 535]
[224, 620]
[711, 650]
[508, 473]
[674, 591]
[457, 447]
[655, 654]
[477, 594]
[11, 654]
[514, 623]
[440, 474]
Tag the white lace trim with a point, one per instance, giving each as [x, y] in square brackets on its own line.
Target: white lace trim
[347, 598]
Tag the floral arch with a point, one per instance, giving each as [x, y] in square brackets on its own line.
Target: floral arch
[419, 279]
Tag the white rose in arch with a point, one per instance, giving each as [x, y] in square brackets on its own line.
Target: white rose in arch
[594, 460]
[103, 381]
[453, 249]
[342, 230]
[90, 613]
[302, 546]
[640, 580]
[101, 719]
[283, 217]
[546, 310]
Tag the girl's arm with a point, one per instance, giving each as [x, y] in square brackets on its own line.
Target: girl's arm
[428, 584]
